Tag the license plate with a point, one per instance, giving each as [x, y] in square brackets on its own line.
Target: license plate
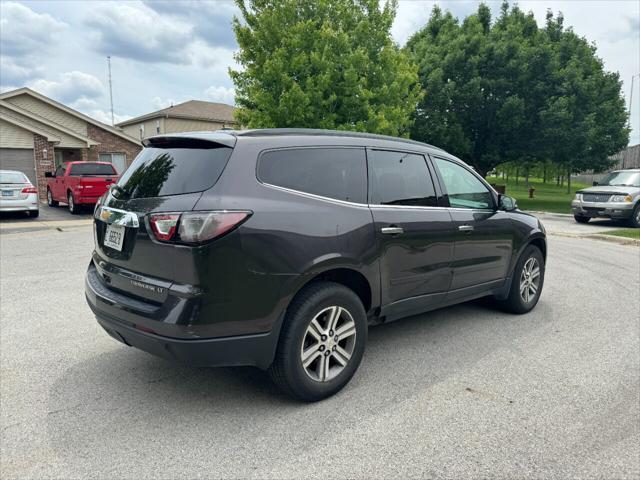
[114, 237]
[7, 193]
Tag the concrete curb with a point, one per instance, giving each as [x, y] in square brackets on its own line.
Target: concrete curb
[39, 225]
[614, 239]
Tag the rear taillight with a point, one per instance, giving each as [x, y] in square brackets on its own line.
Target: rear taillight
[195, 227]
[164, 225]
[29, 190]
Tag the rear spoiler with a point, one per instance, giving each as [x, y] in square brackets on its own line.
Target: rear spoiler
[191, 140]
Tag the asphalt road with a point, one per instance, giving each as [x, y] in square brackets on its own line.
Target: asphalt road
[464, 391]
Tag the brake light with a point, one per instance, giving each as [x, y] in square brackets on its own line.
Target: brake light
[30, 190]
[164, 225]
[199, 227]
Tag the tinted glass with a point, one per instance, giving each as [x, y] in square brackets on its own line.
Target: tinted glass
[159, 172]
[399, 178]
[463, 187]
[339, 173]
[13, 177]
[80, 169]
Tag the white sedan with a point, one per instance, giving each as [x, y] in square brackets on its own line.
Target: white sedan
[17, 194]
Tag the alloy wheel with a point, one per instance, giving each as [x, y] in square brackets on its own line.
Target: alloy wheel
[328, 343]
[71, 206]
[530, 280]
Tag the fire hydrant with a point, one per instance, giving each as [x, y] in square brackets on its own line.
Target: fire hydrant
[531, 190]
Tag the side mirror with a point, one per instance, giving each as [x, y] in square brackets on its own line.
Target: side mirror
[49, 175]
[595, 184]
[507, 203]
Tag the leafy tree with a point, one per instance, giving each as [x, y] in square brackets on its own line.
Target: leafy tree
[584, 117]
[322, 64]
[507, 91]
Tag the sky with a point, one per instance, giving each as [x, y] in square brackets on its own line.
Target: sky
[164, 53]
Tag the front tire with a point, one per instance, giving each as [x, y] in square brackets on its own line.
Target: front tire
[581, 219]
[73, 208]
[50, 201]
[322, 342]
[634, 221]
[527, 282]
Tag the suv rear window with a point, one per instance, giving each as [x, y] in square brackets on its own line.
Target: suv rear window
[80, 169]
[339, 173]
[160, 172]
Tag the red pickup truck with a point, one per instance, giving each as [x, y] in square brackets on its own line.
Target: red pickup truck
[79, 183]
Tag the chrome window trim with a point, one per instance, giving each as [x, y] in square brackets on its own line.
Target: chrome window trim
[115, 216]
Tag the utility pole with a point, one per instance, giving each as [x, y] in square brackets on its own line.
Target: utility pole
[110, 90]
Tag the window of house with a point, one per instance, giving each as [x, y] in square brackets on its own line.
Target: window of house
[141, 131]
[464, 189]
[399, 178]
[57, 154]
[157, 126]
[339, 173]
[117, 159]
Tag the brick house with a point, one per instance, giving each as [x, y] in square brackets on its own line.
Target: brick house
[38, 133]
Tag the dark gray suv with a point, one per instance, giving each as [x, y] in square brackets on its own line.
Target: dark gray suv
[278, 248]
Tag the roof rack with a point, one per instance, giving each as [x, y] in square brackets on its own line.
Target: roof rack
[321, 132]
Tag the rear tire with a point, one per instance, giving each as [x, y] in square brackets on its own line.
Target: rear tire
[73, 208]
[581, 219]
[634, 221]
[322, 342]
[527, 282]
[50, 201]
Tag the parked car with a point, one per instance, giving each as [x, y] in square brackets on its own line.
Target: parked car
[277, 248]
[79, 184]
[17, 193]
[616, 196]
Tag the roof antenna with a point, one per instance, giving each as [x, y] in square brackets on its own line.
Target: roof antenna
[110, 89]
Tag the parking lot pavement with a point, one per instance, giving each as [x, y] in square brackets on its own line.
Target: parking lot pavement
[47, 214]
[463, 391]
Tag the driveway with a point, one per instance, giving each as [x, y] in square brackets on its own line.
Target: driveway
[466, 391]
[557, 223]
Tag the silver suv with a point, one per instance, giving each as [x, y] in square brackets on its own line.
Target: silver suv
[616, 196]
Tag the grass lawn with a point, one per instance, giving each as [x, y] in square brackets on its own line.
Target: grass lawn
[625, 232]
[548, 197]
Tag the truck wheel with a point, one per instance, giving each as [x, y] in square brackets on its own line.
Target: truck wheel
[634, 221]
[527, 282]
[50, 201]
[581, 219]
[322, 342]
[73, 208]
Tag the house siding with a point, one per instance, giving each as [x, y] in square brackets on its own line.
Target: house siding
[174, 125]
[66, 140]
[12, 136]
[149, 128]
[49, 112]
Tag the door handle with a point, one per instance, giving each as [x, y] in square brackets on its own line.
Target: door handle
[466, 228]
[392, 230]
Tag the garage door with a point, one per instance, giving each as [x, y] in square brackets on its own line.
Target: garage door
[20, 159]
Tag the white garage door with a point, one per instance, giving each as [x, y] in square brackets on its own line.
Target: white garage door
[20, 159]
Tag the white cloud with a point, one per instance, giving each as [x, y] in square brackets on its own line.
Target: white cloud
[23, 31]
[159, 103]
[221, 94]
[105, 117]
[139, 33]
[70, 87]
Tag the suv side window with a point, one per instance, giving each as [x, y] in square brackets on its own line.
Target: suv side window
[463, 187]
[400, 178]
[339, 173]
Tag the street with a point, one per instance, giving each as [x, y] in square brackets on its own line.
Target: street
[463, 391]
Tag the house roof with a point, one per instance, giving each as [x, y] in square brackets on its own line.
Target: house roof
[192, 110]
[71, 111]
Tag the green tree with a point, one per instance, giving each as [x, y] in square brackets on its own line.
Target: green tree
[511, 92]
[322, 64]
[584, 117]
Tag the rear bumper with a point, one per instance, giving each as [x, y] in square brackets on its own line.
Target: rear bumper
[254, 350]
[19, 205]
[159, 330]
[85, 200]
